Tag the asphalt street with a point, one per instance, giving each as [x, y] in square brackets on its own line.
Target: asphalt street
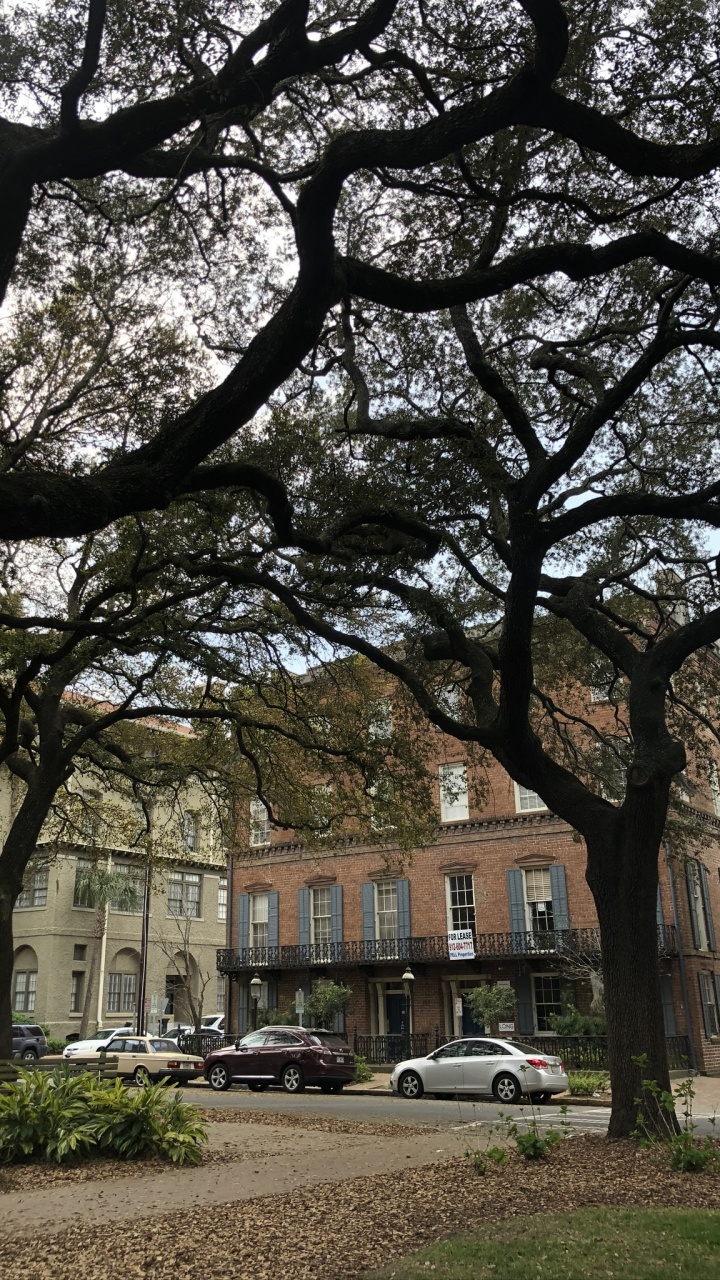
[442, 1113]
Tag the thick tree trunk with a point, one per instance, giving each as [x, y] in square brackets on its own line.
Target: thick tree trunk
[90, 980]
[622, 874]
[8, 894]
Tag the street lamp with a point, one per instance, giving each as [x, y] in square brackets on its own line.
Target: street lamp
[408, 978]
[255, 989]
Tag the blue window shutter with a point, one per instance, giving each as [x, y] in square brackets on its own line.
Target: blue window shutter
[659, 916]
[716, 984]
[558, 890]
[336, 908]
[304, 917]
[705, 892]
[524, 1005]
[666, 993]
[243, 921]
[242, 1008]
[273, 909]
[403, 908]
[691, 903]
[516, 899]
[368, 911]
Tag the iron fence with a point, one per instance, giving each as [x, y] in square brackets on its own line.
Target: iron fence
[385, 1049]
[201, 1045]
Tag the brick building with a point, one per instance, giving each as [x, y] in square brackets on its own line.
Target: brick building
[512, 873]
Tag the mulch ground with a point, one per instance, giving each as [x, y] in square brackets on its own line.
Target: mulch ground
[353, 1227]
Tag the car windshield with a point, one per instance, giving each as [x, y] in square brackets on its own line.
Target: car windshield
[209, 1022]
[328, 1041]
[163, 1046]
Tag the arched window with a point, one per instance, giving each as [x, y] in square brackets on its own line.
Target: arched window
[25, 974]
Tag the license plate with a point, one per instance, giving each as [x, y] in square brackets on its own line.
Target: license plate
[555, 1070]
[339, 1059]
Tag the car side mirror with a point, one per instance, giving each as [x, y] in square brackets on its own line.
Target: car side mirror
[237, 1044]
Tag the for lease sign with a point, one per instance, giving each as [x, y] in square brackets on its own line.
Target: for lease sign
[461, 945]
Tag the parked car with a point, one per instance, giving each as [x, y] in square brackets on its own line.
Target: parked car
[503, 1068]
[172, 1033]
[28, 1041]
[153, 1058]
[213, 1022]
[289, 1056]
[94, 1043]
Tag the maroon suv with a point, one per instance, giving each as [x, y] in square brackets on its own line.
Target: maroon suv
[290, 1056]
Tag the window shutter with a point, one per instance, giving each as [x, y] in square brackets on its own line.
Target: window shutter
[368, 911]
[304, 917]
[242, 1008]
[244, 924]
[716, 985]
[666, 993]
[516, 899]
[523, 997]
[705, 892]
[703, 1000]
[336, 909]
[558, 889]
[403, 908]
[659, 913]
[691, 901]
[273, 909]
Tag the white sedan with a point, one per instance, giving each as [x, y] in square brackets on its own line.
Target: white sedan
[94, 1043]
[502, 1068]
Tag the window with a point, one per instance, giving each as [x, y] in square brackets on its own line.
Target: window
[175, 994]
[190, 831]
[128, 897]
[184, 894]
[220, 993]
[454, 805]
[84, 895]
[460, 898]
[538, 900]
[121, 992]
[708, 999]
[80, 951]
[386, 923]
[258, 919]
[380, 721]
[527, 801]
[77, 981]
[259, 823]
[697, 905]
[24, 992]
[546, 993]
[36, 894]
[320, 923]
[715, 787]
[222, 898]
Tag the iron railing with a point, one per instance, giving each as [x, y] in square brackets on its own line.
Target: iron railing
[393, 1048]
[201, 1045]
[559, 942]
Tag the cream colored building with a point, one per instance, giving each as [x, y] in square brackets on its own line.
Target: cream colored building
[56, 927]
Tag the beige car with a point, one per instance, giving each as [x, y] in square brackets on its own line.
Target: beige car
[150, 1058]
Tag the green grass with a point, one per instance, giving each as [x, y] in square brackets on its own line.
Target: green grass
[629, 1244]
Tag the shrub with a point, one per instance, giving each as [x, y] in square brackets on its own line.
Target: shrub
[55, 1116]
[491, 1003]
[55, 1045]
[574, 1023]
[363, 1073]
[325, 1002]
[585, 1083]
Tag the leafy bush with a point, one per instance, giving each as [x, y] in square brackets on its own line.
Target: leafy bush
[325, 1002]
[285, 1017]
[55, 1045]
[55, 1116]
[585, 1083]
[574, 1023]
[491, 1003]
[27, 1020]
[363, 1073]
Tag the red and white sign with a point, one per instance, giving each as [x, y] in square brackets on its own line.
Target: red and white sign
[461, 945]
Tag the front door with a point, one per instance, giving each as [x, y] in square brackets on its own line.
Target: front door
[396, 1013]
[443, 1071]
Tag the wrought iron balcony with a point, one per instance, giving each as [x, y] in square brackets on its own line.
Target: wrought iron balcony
[559, 942]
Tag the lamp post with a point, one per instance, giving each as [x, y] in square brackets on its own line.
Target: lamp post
[408, 978]
[255, 989]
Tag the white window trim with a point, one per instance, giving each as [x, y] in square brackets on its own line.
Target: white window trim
[699, 906]
[448, 896]
[259, 825]
[320, 941]
[389, 880]
[462, 799]
[538, 808]
[548, 974]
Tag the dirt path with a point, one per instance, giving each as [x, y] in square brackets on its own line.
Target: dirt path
[260, 1161]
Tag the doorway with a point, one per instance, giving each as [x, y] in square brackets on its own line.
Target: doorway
[396, 1013]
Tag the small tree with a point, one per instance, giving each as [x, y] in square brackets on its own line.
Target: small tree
[326, 1001]
[176, 946]
[491, 1004]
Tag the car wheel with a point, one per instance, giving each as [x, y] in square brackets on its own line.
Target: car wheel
[292, 1078]
[257, 1086]
[337, 1088]
[539, 1098]
[141, 1076]
[219, 1077]
[410, 1085]
[29, 1053]
[506, 1089]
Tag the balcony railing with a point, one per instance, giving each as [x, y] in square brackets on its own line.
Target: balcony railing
[559, 942]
